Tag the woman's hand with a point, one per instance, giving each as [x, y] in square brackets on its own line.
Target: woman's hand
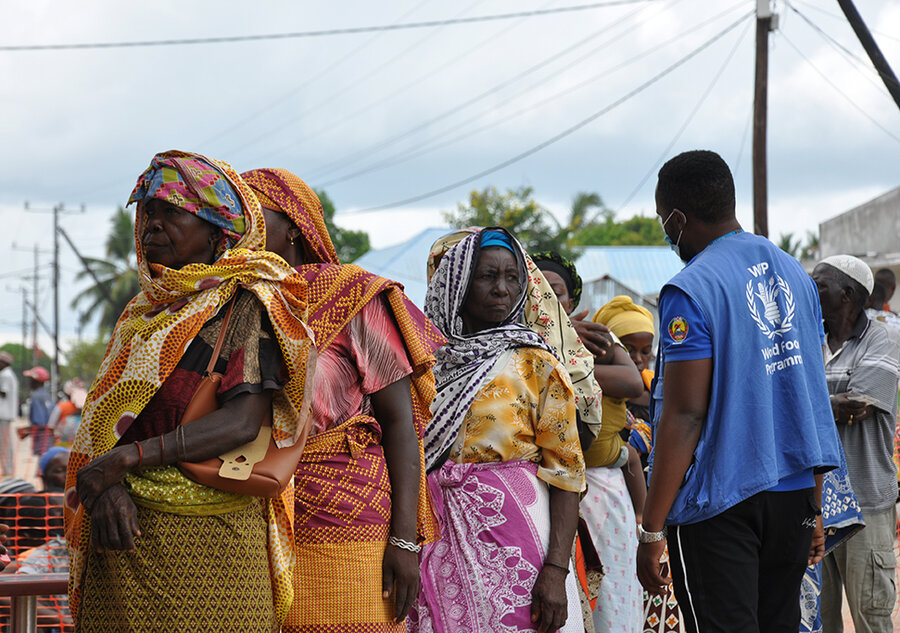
[103, 472]
[595, 336]
[400, 575]
[648, 568]
[114, 522]
[549, 608]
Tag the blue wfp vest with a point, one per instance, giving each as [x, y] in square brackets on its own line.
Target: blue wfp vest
[769, 414]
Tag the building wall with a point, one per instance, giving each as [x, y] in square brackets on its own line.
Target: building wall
[871, 230]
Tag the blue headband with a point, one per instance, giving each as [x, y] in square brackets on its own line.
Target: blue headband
[496, 238]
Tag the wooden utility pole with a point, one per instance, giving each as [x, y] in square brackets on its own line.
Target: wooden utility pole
[868, 42]
[760, 96]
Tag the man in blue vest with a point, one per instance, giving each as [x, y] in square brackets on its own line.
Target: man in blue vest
[742, 421]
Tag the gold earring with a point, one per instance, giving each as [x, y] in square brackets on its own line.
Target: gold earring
[292, 241]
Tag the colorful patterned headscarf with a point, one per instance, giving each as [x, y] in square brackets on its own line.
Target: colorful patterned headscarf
[546, 316]
[153, 333]
[192, 183]
[280, 190]
[465, 362]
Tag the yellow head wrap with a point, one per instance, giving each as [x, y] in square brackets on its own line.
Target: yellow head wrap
[623, 317]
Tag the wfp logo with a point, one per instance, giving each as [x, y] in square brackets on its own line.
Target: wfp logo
[773, 317]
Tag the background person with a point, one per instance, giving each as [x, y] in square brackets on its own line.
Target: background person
[862, 364]
[741, 419]
[151, 549]
[40, 404]
[9, 411]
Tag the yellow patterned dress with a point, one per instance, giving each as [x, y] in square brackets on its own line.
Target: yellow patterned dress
[526, 412]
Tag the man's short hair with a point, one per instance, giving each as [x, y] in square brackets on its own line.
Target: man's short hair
[698, 183]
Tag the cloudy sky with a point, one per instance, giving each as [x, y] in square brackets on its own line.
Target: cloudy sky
[380, 118]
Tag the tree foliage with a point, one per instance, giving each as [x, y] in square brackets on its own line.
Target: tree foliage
[117, 273]
[349, 245]
[590, 222]
[83, 359]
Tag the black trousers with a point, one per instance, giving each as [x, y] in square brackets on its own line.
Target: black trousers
[740, 571]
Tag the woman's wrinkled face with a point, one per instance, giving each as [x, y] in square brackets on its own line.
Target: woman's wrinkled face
[174, 238]
[640, 348]
[560, 289]
[493, 290]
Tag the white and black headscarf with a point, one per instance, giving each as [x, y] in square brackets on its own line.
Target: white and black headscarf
[466, 361]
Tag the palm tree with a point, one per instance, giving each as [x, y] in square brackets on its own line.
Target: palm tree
[789, 244]
[118, 275]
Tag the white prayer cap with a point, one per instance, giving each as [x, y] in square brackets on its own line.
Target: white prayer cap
[854, 268]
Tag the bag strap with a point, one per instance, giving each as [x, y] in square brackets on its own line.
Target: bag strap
[221, 339]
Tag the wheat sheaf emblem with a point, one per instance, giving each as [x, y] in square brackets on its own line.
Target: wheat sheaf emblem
[778, 323]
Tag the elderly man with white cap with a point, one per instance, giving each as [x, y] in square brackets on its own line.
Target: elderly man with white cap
[862, 365]
[9, 409]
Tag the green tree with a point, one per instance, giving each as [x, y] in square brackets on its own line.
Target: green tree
[636, 231]
[789, 244]
[83, 359]
[117, 273]
[22, 360]
[349, 245]
[811, 247]
[518, 212]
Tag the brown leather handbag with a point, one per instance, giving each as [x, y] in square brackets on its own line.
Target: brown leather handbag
[259, 468]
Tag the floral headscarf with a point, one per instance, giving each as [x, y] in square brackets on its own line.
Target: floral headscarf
[159, 323]
[466, 361]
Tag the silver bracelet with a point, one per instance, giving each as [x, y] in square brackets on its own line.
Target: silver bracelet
[651, 537]
[409, 547]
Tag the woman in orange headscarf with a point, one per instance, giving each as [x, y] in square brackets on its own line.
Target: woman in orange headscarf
[362, 507]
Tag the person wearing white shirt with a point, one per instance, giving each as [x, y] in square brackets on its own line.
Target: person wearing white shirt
[9, 408]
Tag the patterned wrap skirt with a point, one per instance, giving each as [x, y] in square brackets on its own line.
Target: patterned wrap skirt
[189, 573]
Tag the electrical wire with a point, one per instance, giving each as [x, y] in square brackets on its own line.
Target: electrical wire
[320, 33]
[687, 121]
[568, 131]
[436, 142]
[838, 90]
[861, 63]
[325, 71]
[298, 117]
[459, 107]
[844, 19]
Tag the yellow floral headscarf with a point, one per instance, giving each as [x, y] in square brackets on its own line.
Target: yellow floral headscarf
[150, 338]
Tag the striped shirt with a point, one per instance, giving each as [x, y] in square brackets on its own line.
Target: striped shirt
[869, 364]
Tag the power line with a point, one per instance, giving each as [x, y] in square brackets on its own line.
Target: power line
[376, 147]
[320, 33]
[839, 91]
[843, 20]
[844, 50]
[284, 97]
[686, 123]
[403, 156]
[568, 131]
[366, 76]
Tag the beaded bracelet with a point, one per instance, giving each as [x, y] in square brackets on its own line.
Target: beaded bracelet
[409, 547]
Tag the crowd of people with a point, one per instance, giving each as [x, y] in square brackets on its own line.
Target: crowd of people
[496, 461]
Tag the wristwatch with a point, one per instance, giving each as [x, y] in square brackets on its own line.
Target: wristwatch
[650, 537]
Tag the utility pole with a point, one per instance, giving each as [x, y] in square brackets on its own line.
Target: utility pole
[868, 42]
[54, 371]
[765, 22]
[34, 295]
[24, 359]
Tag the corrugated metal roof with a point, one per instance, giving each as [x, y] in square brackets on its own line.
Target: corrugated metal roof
[642, 268]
